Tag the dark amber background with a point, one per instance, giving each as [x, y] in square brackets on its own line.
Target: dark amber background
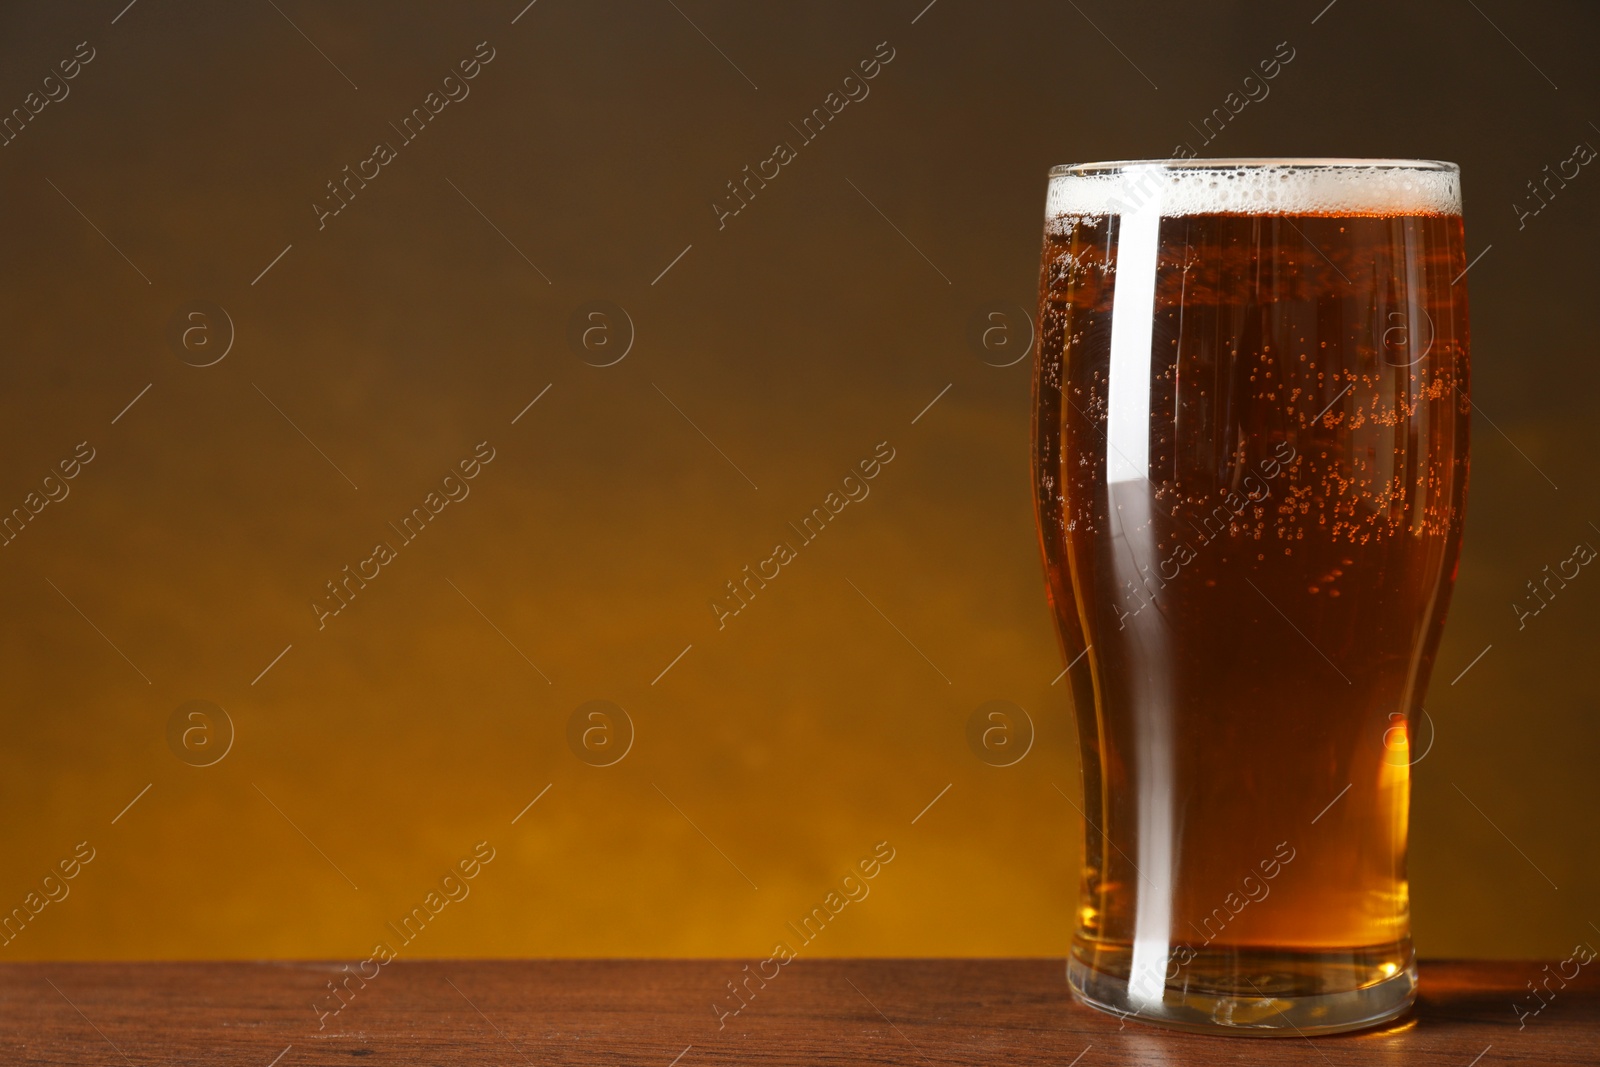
[806, 331]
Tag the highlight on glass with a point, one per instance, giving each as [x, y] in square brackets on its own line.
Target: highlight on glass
[1250, 466]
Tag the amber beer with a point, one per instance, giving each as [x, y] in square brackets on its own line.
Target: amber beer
[1250, 462]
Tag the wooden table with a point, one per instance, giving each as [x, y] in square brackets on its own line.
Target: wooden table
[659, 1013]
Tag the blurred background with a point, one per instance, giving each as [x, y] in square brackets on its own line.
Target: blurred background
[546, 264]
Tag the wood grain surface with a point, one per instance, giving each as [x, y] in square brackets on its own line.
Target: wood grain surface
[659, 1013]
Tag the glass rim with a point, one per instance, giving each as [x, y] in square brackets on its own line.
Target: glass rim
[1068, 170]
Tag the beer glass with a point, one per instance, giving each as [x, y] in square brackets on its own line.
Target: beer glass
[1250, 462]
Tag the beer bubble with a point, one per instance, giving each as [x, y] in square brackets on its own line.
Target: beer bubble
[1000, 733]
[600, 333]
[1000, 334]
[600, 733]
[200, 333]
[199, 732]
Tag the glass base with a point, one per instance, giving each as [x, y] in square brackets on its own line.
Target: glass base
[1286, 997]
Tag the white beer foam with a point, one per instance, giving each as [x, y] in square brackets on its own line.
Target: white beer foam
[1376, 188]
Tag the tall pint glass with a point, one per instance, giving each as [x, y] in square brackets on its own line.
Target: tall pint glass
[1250, 463]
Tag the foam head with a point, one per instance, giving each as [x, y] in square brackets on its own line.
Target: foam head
[1373, 187]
